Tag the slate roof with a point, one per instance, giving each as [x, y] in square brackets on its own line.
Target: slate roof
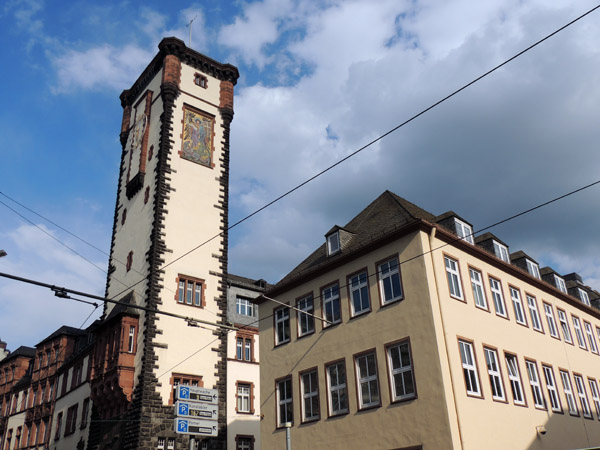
[123, 307]
[29, 352]
[70, 331]
[248, 283]
[385, 214]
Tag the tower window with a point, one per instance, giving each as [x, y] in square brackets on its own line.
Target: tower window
[190, 291]
[200, 80]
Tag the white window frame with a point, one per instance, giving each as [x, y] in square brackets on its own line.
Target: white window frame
[534, 381]
[131, 341]
[550, 319]
[501, 251]
[401, 371]
[310, 392]
[331, 297]
[285, 402]
[478, 289]
[533, 268]
[358, 285]
[339, 390]
[555, 404]
[306, 322]
[369, 394]
[583, 398]
[390, 281]
[560, 284]
[243, 401]
[515, 296]
[564, 324]
[244, 307]
[590, 336]
[579, 332]
[469, 366]
[536, 320]
[453, 276]
[464, 230]
[333, 243]
[595, 395]
[568, 390]
[514, 375]
[282, 322]
[585, 298]
[495, 376]
[499, 304]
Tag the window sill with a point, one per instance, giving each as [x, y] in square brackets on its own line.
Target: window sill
[403, 400]
[300, 336]
[309, 421]
[281, 344]
[369, 407]
[360, 314]
[391, 302]
[340, 414]
[327, 326]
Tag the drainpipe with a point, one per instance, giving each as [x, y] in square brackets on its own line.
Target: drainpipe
[437, 293]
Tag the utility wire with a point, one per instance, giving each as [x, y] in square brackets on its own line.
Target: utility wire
[397, 127]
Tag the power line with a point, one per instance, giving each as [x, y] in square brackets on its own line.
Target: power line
[397, 127]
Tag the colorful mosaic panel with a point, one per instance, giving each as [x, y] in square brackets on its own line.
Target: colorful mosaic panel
[197, 137]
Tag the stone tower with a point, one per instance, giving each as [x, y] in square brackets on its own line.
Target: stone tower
[172, 197]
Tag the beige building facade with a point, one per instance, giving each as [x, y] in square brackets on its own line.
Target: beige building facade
[426, 338]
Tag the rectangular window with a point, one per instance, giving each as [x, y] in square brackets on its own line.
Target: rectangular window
[551, 321]
[309, 382]
[583, 295]
[536, 322]
[190, 291]
[515, 295]
[285, 408]
[131, 343]
[496, 290]
[501, 251]
[243, 398]
[534, 381]
[306, 319]
[533, 268]
[333, 243]
[282, 325]
[560, 284]
[590, 336]
[71, 420]
[493, 367]
[514, 376]
[478, 291]
[368, 383]
[243, 348]
[566, 382]
[595, 396]
[243, 443]
[359, 294]
[401, 374]
[583, 398]
[390, 285]
[453, 275]
[562, 318]
[551, 387]
[464, 231]
[170, 444]
[331, 304]
[578, 332]
[84, 412]
[244, 307]
[338, 390]
[469, 368]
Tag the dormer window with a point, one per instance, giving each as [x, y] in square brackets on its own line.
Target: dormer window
[583, 295]
[333, 243]
[200, 80]
[501, 251]
[533, 268]
[464, 230]
[560, 284]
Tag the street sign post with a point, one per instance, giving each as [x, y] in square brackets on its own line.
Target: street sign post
[196, 427]
[197, 394]
[197, 410]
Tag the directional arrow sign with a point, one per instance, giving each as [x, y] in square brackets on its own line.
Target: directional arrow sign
[197, 394]
[196, 427]
[197, 410]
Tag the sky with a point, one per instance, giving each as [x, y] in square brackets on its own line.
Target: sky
[318, 80]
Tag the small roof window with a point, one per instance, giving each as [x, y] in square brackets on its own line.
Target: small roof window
[464, 230]
[333, 243]
[533, 268]
[583, 295]
[560, 284]
[501, 251]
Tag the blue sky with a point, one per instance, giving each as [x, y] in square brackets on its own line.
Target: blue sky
[318, 80]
